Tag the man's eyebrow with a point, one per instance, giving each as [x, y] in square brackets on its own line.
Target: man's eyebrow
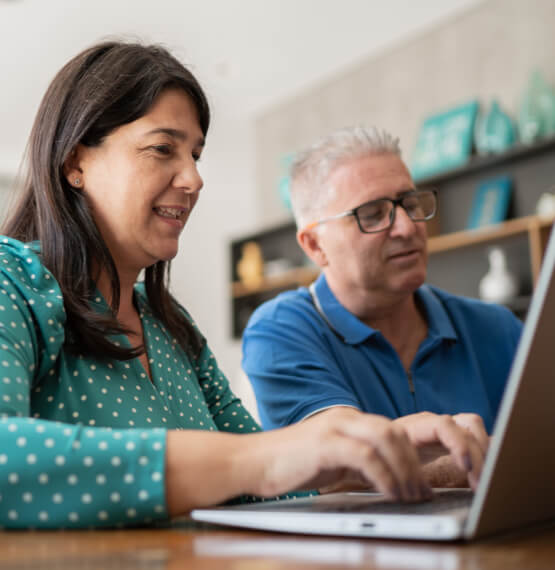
[175, 133]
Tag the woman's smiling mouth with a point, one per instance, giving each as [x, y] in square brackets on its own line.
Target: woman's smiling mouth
[173, 215]
[171, 212]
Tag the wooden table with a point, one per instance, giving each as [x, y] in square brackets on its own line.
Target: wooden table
[180, 548]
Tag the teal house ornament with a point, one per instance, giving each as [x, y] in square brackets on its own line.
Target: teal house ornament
[494, 132]
[445, 141]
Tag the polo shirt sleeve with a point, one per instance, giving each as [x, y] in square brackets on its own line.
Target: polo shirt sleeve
[52, 474]
[291, 363]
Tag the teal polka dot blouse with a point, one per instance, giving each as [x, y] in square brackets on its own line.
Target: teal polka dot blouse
[83, 442]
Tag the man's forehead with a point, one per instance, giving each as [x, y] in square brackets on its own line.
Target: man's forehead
[376, 174]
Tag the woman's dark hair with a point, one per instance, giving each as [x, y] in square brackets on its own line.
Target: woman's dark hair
[102, 88]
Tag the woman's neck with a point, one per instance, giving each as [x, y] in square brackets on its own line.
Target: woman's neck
[126, 284]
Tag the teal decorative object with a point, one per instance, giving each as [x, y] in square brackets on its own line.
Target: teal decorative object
[491, 202]
[534, 109]
[547, 106]
[445, 141]
[494, 131]
[284, 182]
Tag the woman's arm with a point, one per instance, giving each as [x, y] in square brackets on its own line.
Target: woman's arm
[207, 468]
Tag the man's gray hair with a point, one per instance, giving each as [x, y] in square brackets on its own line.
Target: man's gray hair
[311, 168]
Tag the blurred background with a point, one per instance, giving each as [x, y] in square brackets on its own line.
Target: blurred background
[278, 73]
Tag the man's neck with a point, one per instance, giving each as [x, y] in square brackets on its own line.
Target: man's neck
[397, 317]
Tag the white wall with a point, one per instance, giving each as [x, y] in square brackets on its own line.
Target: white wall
[226, 209]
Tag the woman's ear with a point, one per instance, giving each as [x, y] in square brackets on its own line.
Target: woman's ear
[72, 168]
[310, 244]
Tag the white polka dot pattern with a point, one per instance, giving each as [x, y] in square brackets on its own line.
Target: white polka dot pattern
[83, 440]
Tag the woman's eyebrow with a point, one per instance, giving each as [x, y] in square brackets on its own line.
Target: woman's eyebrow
[175, 133]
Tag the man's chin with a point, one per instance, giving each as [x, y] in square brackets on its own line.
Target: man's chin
[410, 283]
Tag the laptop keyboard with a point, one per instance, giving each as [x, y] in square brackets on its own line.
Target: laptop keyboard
[444, 500]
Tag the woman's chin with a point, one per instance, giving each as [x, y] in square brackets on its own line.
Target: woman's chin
[164, 254]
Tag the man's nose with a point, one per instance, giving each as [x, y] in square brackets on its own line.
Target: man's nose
[402, 225]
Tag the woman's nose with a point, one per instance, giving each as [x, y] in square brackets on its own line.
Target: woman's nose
[189, 178]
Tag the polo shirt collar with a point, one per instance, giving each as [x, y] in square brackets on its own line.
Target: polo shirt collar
[354, 331]
[342, 321]
[439, 322]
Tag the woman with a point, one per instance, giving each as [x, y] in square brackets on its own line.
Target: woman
[108, 390]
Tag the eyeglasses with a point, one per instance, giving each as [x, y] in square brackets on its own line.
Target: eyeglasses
[379, 215]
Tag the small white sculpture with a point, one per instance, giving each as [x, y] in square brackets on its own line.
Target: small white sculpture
[498, 285]
[546, 205]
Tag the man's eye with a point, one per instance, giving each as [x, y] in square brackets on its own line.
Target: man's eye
[196, 156]
[373, 212]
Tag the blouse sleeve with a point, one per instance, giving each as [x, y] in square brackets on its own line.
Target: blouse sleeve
[229, 414]
[55, 475]
[227, 410]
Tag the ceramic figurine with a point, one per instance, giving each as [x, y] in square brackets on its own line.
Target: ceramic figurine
[498, 285]
[547, 106]
[250, 267]
[546, 205]
[494, 131]
[531, 118]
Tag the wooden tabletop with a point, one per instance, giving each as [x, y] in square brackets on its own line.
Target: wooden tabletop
[180, 548]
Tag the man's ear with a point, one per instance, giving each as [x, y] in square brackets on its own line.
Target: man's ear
[72, 167]
[310, 244]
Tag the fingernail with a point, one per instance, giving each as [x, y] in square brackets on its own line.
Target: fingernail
[467, 462]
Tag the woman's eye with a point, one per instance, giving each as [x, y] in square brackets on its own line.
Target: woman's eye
[196, 156]
[164, 149]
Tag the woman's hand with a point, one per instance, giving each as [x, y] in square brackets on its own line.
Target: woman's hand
[461, 436]
[337, 445]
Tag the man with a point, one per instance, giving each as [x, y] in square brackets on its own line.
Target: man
[368, 333]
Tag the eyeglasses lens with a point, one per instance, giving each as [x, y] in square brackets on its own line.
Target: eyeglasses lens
[377, 215]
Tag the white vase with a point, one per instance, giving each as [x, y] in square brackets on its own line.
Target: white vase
[498, 285]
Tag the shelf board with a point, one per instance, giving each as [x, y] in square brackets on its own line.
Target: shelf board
[506, 229]
[477, 162]
[293, 277]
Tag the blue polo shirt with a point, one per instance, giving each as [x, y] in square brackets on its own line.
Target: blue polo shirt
[299, 364]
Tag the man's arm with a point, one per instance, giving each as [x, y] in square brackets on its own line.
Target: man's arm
[290, 365]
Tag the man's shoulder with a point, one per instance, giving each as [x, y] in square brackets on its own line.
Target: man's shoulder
[294, 304]
[460, 307]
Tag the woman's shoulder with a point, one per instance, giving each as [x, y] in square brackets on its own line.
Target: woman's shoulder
[25, 279]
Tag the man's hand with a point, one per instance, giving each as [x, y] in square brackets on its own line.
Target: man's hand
[461, 436]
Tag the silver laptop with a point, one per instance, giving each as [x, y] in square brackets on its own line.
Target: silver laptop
[517, 487]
